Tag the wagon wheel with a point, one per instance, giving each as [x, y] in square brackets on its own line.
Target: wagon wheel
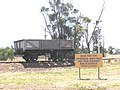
[54, 56]
[26, 58]
[61, 56]
[33, 58]
[30, 57]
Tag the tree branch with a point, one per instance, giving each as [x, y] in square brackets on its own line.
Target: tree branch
[97, 21]
[47, 25]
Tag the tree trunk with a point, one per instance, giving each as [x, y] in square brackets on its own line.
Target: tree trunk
[88, 46]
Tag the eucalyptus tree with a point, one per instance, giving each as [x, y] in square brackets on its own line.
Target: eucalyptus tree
[62, 21]
[56, 19]
[94, 37]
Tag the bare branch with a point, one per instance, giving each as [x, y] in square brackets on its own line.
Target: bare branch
[103, 7]
[47, 25]
[98, 20]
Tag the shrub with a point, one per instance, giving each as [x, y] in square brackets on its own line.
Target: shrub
[6, 53]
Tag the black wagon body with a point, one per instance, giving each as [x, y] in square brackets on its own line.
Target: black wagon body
[31, 48]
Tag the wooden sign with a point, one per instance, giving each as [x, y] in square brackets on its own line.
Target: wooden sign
[88, 60]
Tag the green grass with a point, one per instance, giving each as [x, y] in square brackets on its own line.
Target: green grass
[30, 77]
[114, 84]
[67, 77]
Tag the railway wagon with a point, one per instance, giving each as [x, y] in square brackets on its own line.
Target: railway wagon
[56, 49]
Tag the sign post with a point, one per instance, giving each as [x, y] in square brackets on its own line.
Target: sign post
[88, 61]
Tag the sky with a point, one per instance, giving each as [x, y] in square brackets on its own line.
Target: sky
[21, 19]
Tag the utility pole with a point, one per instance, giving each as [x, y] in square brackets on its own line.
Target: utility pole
[45, 34]
[98, 41]
[103, 46]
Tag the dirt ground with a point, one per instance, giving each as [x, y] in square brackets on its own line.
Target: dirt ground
[112, 77]
[32, 67]
[33, 87]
